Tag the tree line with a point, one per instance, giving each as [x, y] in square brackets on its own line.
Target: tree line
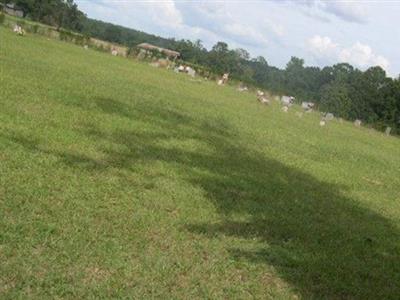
[58, 13]
[341, 89]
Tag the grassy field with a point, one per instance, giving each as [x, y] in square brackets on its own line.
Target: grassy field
[119, 180]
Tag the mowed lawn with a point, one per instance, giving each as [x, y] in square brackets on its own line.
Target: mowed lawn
[119, 180]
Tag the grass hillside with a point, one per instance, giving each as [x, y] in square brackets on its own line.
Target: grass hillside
[119, 180]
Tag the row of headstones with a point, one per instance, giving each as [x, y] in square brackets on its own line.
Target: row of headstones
[20, 31]
[329, 117]
[287, 101]
[114, 51]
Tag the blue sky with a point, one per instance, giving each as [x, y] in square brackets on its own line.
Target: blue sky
[364, 33]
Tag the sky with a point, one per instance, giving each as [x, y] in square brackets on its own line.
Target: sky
[364, 33]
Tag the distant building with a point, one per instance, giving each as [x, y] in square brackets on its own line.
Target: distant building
[12, 9]
[167, 52]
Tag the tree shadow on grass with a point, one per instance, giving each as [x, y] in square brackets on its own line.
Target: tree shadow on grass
[324, 244]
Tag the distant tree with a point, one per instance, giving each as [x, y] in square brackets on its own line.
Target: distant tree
[59, 13]
[113, 34]
[260, 60]
[335, 98]
[242, 54]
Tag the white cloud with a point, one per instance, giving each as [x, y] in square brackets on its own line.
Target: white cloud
[161, 13]
[362, 55]
[351, 11]
[244, 34]
[322, 45]
[165, 13]
[325, 51]
[347, 10]
[217, 17]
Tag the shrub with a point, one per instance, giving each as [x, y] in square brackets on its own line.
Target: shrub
[132, 52]
[35, 28]
[79, 39]
[66, 35]
[86, 38]
[21, 23]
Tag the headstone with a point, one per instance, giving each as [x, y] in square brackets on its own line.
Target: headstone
[307, 105]
[225, 78]
[285, 108]
[18, 30]
[114, 52]
[242, 88]
[329, 116]
[264, 100]
[322, 123]
[299, 114]
[388, 130]
[287, 100]
[191, 72]
[141, 55]
[86, 47]
[155, 64]
[357, 123]
[220, 82]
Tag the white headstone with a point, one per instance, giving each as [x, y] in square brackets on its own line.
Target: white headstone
[299, 114]
[357, 123]
[322, 123]
[287, 100]
[191, 72]
[388, 130]
[329, 117]
[285, 108]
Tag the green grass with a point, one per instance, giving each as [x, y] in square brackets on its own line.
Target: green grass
[118, 180]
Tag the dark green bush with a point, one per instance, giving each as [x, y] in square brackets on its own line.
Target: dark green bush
[21, 23]
[86, 38]
[79, 39]
[66, 35]
[35, 28]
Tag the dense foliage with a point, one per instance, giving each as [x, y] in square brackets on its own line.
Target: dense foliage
[341, 89]
[119, 34]
[58, 13]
